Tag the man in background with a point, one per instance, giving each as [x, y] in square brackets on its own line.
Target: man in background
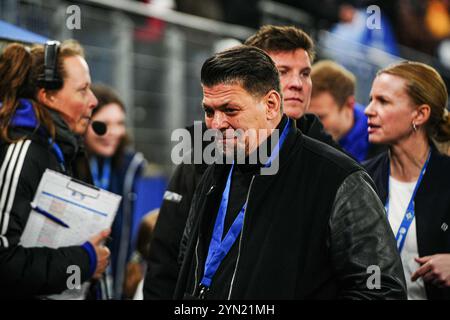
[333, 101]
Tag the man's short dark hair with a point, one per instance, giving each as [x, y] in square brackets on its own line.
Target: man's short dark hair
[247, 66]
[272, 38]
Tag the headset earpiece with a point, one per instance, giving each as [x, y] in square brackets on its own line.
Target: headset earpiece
[50, 78]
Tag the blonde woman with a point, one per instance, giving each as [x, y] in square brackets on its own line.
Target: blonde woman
[408, 110]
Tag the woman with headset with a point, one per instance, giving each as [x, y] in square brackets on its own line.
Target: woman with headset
[46, 102]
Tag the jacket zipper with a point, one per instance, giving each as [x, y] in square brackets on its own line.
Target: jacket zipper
[240, 241]
[196, 267]
[196, 283]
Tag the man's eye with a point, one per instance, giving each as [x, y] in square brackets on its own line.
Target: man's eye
[209, 113]
[228, 110]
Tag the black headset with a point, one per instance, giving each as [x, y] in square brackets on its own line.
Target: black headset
[50, 78]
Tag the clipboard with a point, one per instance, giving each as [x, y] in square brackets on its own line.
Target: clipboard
[84, 209]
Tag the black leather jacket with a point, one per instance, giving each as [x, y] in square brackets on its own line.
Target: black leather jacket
[309, 124]
[357, 215]
[324, 237]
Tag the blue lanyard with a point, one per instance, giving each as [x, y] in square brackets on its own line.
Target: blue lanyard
[219, 248]
[103, 181]
[58, 153]
[410, 210]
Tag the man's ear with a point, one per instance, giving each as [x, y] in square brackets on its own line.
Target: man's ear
[350, 102]
[273, 103]
[422, 114]
[46, 98]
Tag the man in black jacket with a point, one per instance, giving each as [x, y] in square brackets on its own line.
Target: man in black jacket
[293, 51]
[250, 239]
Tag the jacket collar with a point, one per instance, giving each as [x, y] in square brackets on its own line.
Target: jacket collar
[25, 122]
[434, 180]
[65, 138]
[438, 163]
[25, 117]
[283, 157]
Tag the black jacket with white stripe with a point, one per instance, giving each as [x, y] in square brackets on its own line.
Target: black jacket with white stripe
[30, 272]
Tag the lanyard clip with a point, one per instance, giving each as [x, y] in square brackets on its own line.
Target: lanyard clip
[203, 290]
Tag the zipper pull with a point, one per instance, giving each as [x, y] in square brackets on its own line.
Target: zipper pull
[203, 290]
[211, 190]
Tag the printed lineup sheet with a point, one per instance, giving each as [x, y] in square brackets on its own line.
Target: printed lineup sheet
[67, 212]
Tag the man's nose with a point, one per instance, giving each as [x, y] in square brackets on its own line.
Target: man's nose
[219, 121]
[295, 82]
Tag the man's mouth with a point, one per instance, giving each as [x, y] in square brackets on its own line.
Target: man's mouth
[294, 99]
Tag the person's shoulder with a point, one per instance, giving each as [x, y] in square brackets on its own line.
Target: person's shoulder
[131, 162]
[184, 177]
[375, 162]
[306, 121]
[436, 177]
[27, 147]
[440, 162]
[25, 159]
[326, 154]
[309, 124]
[440, 156]
[130, 154]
